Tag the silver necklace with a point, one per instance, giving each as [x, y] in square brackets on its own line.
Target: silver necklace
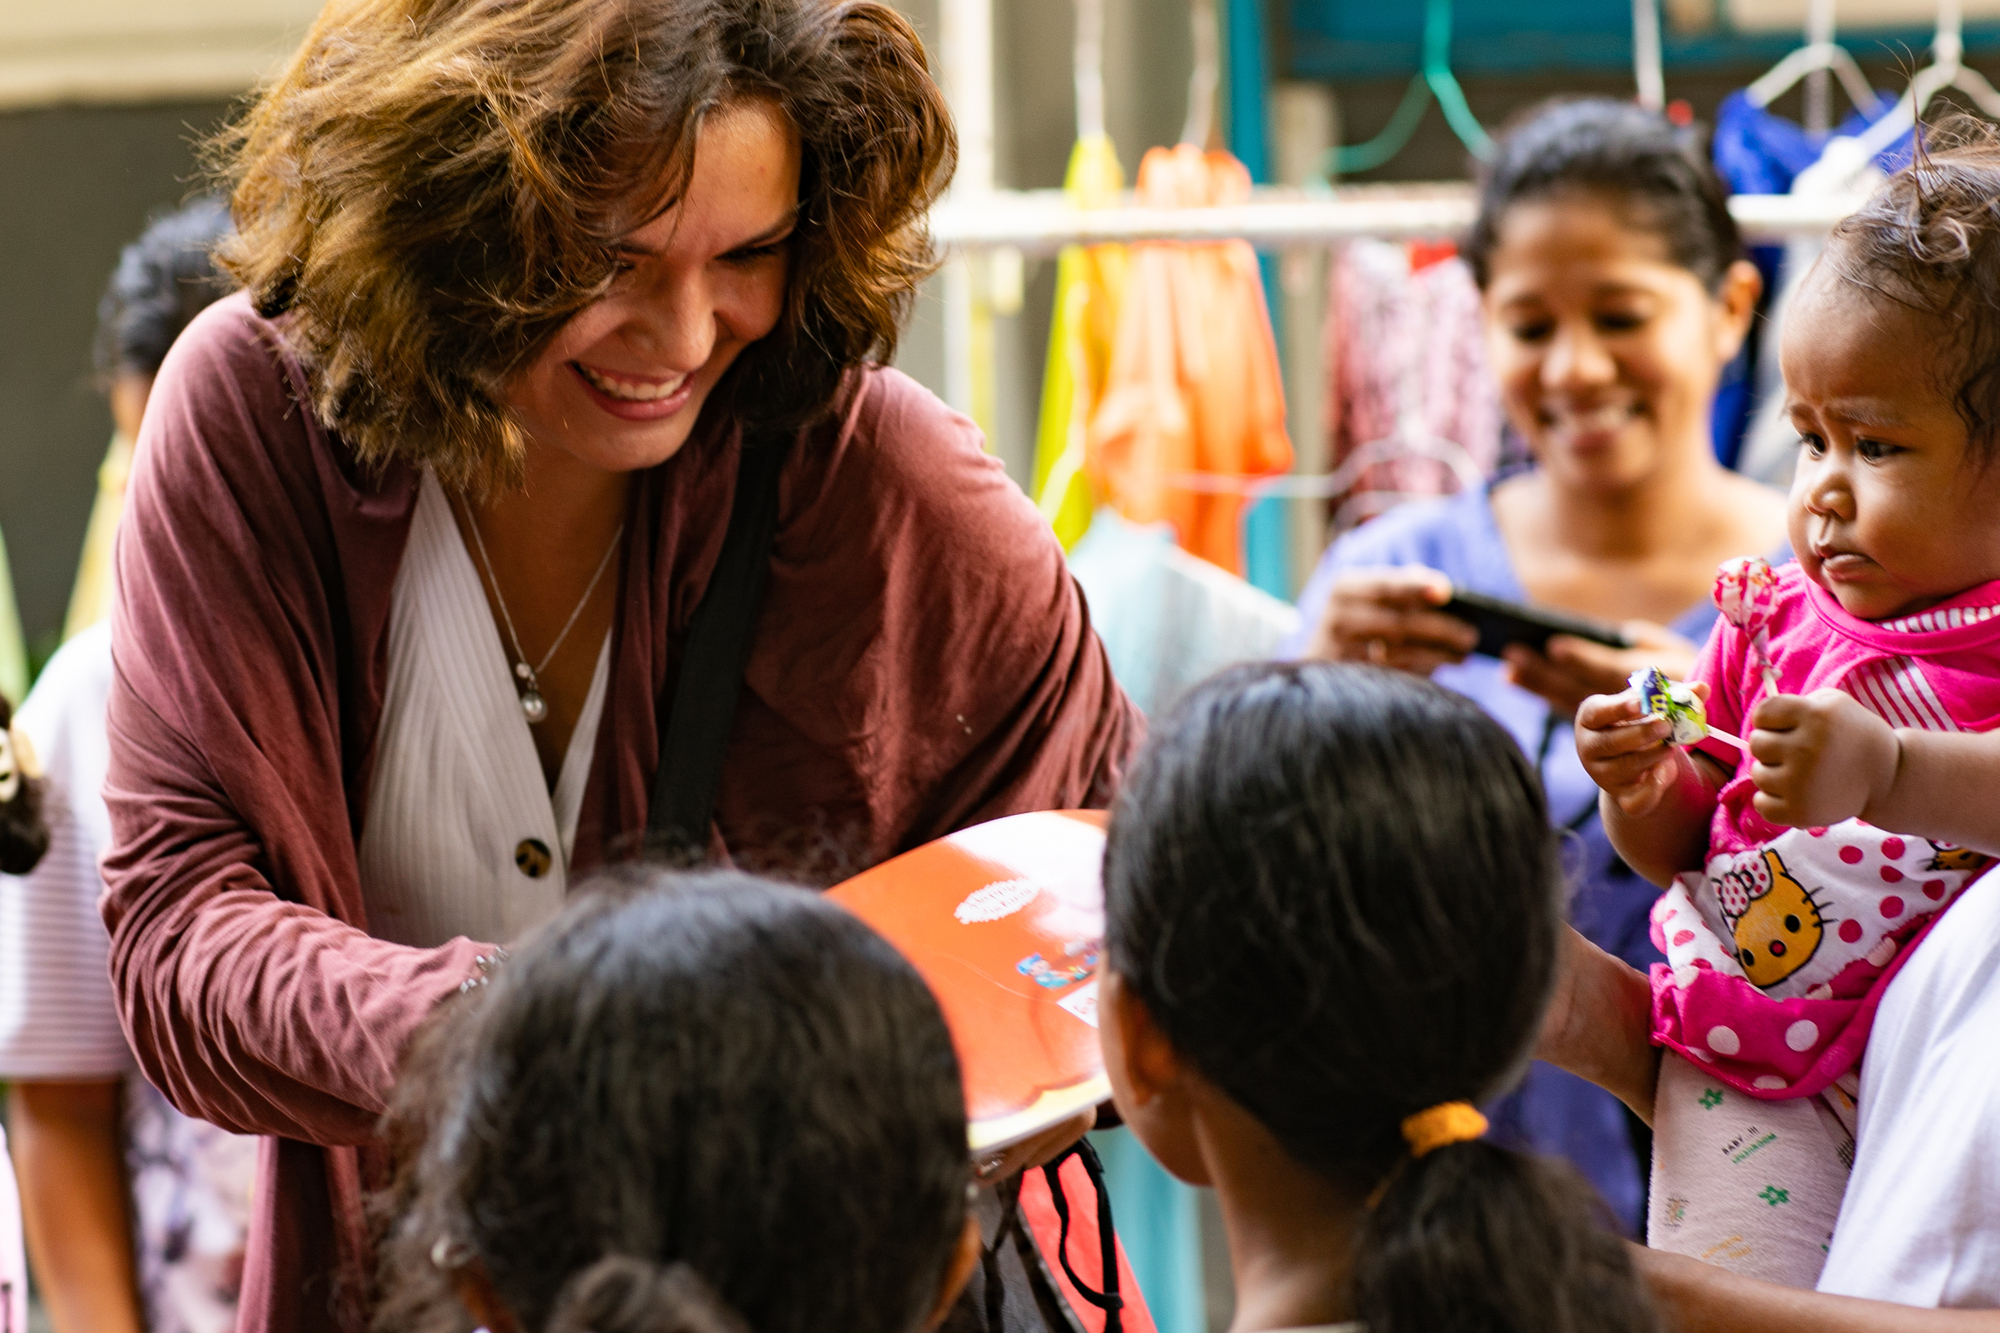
[533, 706]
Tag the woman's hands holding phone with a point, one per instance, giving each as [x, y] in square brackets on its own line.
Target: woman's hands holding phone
[1390, 617]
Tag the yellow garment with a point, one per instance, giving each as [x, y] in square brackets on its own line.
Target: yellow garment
[1194, 384]
[90, 599]
[13, 648]
[1090, 284]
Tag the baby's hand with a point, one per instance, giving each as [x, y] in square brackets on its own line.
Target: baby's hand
[1625, 751]
[1820, 758]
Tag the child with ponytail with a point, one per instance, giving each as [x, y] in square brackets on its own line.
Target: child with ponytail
[690, 1104]
[1333, 910]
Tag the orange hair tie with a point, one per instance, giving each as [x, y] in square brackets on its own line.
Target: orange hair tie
[1443, 1125]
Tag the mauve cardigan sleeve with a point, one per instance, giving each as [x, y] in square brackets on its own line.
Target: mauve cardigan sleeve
[249, 623]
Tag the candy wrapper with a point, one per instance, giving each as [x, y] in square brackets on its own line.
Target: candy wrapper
[1746, 592]
[1679, 705]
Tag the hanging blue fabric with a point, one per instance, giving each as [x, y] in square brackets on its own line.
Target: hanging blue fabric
[1758, 152]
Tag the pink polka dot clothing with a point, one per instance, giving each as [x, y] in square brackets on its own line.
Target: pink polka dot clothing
[1779, 950]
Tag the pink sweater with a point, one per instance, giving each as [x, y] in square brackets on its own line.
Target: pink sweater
[923, 661]
[1778, 951]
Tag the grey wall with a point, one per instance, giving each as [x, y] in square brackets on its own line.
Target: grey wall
[76, 184]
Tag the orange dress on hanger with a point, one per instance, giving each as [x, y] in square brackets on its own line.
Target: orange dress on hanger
[1194, 386]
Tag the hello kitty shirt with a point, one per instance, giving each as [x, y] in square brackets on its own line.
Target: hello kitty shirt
[1778, 951]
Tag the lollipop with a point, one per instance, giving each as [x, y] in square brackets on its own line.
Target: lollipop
[1679, 705]
[1746, 591]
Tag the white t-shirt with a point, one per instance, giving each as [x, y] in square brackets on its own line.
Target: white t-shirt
[1920, 1224]
[59, 1021]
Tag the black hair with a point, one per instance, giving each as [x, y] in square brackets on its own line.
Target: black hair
[1657, 173]
[1335, 890]
[708, 1075]
[163, 280]
[1929, 240]
[24, 835]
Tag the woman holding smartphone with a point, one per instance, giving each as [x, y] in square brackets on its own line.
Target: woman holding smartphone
[1615, 293]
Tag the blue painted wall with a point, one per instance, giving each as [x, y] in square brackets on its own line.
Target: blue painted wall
[1370, 39]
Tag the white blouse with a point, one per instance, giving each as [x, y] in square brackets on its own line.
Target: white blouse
[463, 836]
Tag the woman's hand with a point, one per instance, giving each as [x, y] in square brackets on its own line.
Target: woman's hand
[1573, 669]
[1389, 617]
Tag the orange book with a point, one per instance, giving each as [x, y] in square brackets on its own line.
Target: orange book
[1005, 920]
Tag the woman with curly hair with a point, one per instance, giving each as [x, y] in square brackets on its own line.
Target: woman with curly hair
[544, 496]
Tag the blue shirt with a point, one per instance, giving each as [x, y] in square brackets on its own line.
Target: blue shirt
[1551, 1112]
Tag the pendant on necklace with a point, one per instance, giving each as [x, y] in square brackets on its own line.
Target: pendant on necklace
[533, 707]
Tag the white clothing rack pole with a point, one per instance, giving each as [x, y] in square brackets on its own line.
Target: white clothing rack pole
[965, 40]
[1041, 222]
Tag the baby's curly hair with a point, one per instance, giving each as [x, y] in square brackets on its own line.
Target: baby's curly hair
[432, 188]
[1929, 240]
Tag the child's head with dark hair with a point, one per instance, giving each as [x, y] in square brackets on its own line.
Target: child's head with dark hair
[24, 836]
[1892, 372]
[163, 280]
[691, 1100]
[1333, 903]
[1615, 292]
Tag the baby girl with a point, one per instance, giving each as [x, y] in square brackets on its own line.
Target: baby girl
[1804, 869]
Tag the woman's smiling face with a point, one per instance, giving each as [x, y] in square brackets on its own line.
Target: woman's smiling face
[1888, 511]
[622, 384]
[1607, 352]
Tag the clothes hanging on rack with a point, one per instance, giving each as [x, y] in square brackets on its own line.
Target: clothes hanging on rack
[1757, 152]
[90, 598]
[1405, 344]
[1168, 620]
[13, 647]
[1090, 288]
[1194, 385]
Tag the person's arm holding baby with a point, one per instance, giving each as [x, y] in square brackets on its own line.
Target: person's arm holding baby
[1818, 759]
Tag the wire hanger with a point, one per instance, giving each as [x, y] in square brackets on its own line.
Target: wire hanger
[1089, 65]
[1207, 75]
[1433, 80]
[1811, 62]
[1648, 71]
[1946, 71]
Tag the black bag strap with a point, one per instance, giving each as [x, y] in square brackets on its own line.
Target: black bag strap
[1108, 1300]
[694, 729]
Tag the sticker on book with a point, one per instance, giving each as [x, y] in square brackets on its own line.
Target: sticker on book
[1082, 1003]
[996, 901]
[1079, 961]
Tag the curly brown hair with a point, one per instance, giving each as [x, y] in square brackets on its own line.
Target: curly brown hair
[432, 188]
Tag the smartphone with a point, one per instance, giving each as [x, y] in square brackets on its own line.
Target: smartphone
[1501, 623]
